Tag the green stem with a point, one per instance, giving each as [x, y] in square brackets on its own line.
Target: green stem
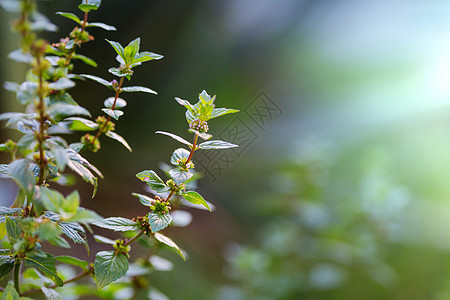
[194, 145]
[133, 238]
[17, 276]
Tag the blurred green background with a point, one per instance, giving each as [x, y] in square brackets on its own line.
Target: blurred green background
[341, 193]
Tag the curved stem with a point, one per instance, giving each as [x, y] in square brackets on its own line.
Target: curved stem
[133, 238]
[17, 276]
[194, 145]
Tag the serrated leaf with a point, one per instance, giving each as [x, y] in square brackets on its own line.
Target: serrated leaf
[7, 211]
[118, 48]
[97, 79]
[6, 265]
[145, 200]
[113, 113]
[74, 231]
[120, 103]
[168, 241]
[179, 155]
[195, 198]
[85, 59]
[153, 180]
[131, 89]
[117, 224]
[216, 144]
[19, 171]
[159, 221]
[118, 138]
[73, 261]
[218, 112]
[13, 230]
[69, 16]
[102, 25]
[179, 175]
[109, 267]
[45, 265]
[175, 137]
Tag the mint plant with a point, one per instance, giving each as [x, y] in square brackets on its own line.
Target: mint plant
[39, 161]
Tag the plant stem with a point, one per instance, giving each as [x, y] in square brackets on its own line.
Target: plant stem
[194, 144]
[17, 276]
[77, 277]
[42, 132]
[133, 238]
[170, 195]
[112, 107]
[84, 21]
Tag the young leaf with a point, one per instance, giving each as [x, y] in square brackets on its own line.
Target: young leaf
[119, 73]
[180, 175]
[179, 155]
[131, 89]
[159, 221]
[131, 50]
[89, 5]
[69, 16]
[145, 200]
[146, 56]
[218, 112]
[175, 137]
[13, 230]
[113, 113]
[109, 266]
[46, 265]
[118, 47]
[195, 198]
[117, 224]
[118, 138]
[216, 144]
[153, 180]
[167, 241]
[120, 103]
[185, 103]
[102, 25]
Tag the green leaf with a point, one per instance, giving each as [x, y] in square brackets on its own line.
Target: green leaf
[13, 230]
[145, 200]
[185, 103]
[85, 216]
[120, 103]
[27, 92]
[180, 175]
[203, 135]
[146, 56]
[132, 89]
[69, 16]
[131, 50]
[74, 231]
[104, 240]
[216, 144]
[60, 111]
[195, 198]
[113, 113]
[10, 293]
[159, 221]
[179, 155]
[109, 267]
[152, 179]
[21, 173]
[73, 261]
[80, 124]
[218, 112]
[97, 79]
[175, 137]
[52, 200]
[119, 73]
[85, 59]
[118, 47]
[62, 84]
[46, 265]
[6, 265]
[102, 25]
[168, 241]
[81, 166]
[117, 224]
[118, 138]
[88, 5]
[7, 211]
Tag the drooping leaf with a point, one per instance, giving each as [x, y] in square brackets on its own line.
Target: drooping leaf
[159, 221]
[109, 266]
[216, 144]
[185, 103]
[19, 170]
[203, 135]
[46, 265]
[195, 198]
[85, 59]
[120, 103]
[118, 138]
[138, 89]
[117, 224]
[81, 166]
[168, 241]
[145, 200]
[113, 113]
[175, 137]
[69, 16]
[102, 25]
[153, 180]
[74, 231]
